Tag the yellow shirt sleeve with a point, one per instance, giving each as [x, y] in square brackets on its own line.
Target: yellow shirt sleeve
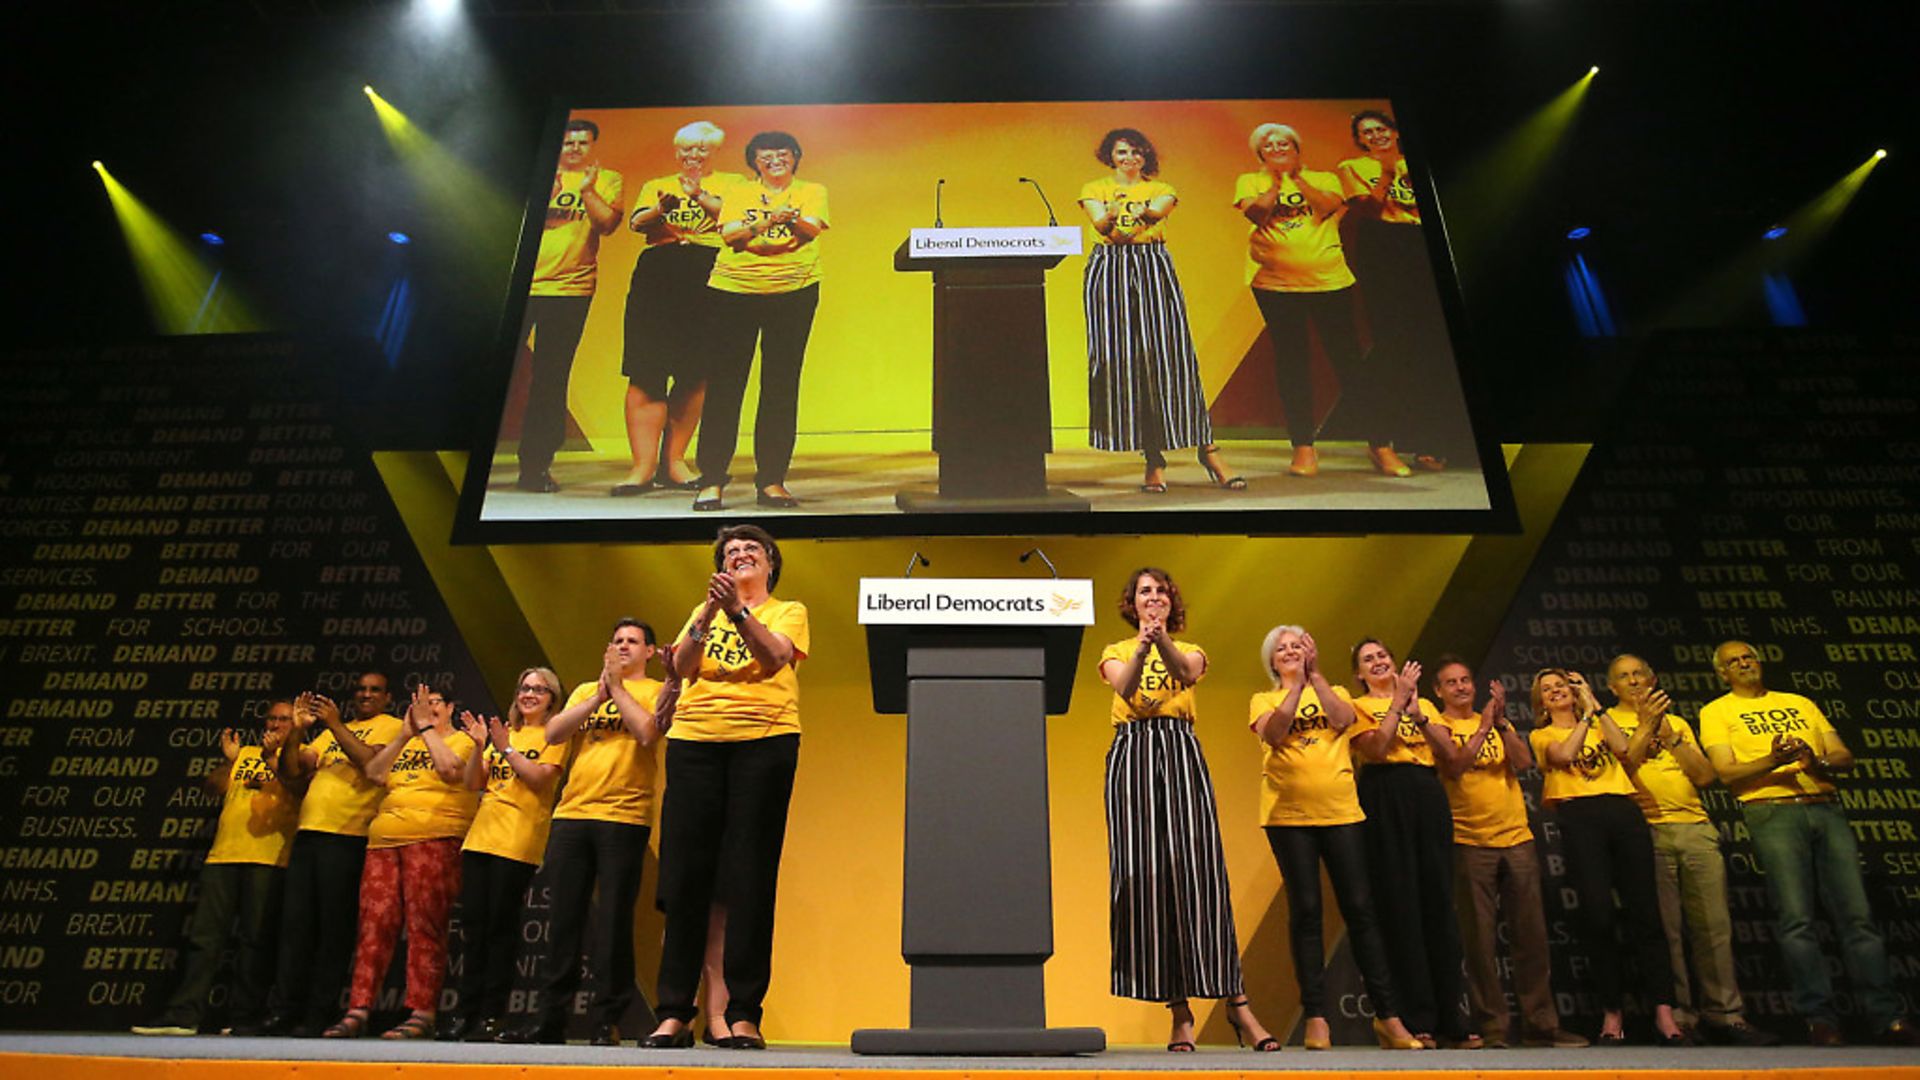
[780, 259]
[258, 815]
[612, 776]
[339, 799]
[1130, 201]
[513, 818]
[419, 804]
[731, 697]
[1308, 778]
[1296, 250]
[1489, 810]
[1158, 693]
[568, 260]
[1747, 726]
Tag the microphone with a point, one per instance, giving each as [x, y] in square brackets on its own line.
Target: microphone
[918, 559]
[937, 223]
[1031, 552]
[1052, 222]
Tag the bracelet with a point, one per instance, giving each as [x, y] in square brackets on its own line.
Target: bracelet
[696, 635]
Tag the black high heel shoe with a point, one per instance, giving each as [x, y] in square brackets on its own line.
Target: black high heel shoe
[1231, 483]
[1179, 1046]
[1268, 1045]
[678, 1040]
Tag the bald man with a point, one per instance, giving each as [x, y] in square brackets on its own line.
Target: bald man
[1669, 769]
[1780, 756]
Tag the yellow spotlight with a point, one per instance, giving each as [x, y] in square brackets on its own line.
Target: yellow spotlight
[1502, 178]
[183, 294]
[474, 217]
[368, 90]
[1878, 154]
[1592, 71]
[1731, 285]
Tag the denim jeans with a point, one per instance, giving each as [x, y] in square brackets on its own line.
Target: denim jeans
[1807, 848]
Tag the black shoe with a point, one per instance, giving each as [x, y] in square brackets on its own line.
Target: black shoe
[542, 482]
[679, 1040]
[1678, 1038]
[622, 491]
[489, 1031]
[605, 1035]
[1741, 1034]
[745, 1042]
[247, 1029]
[1901, 1032]
[707, 506]
[532, 1034]
[277, 1024]
[1824, 1034]
[306, 1029]
[775, 501]
[454, 1027]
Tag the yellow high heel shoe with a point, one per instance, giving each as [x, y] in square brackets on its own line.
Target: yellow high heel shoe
[1322, 1041]
[1388, 462]
[1306, 461]
[1388, 1041]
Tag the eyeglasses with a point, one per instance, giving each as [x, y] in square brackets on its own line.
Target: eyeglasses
[536, 688]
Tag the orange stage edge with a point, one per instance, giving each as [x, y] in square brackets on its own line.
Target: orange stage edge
[77, 1067]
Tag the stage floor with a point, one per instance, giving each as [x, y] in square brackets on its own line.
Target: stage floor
[126, 1057]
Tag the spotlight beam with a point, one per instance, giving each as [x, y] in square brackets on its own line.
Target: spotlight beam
[180, 288]
[478, 220]
[1506, 174]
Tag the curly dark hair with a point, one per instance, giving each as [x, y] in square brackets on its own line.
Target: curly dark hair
[759, 536]
[1140, 142]
[771, 140]
[1369, 114]
[1176, 606]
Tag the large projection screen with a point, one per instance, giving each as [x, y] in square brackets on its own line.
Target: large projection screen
[1214, 316]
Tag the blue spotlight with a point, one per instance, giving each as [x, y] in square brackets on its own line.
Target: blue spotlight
[212, 239]
[400, 238]
[1579, 232]
[1774, 233]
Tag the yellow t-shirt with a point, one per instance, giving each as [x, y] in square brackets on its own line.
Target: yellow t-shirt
[1594, 772]
[1410, 747]
[612, 775]
[1296, 250]
[690, 221]
[731, 699]
[1158, 694]
[419, 805]
[1401, 208]
[513, 818]
[1748, 725]
[780, 260]
[1133, 200]
[1673, 792]
[569, 260]
[1488, 809]
[339, 799]
[1308, 780]
[258, 815]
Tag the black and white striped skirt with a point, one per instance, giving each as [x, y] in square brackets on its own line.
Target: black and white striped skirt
[1142, 373]
[1172, 917]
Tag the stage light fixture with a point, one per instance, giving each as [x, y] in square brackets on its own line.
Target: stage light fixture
[1592, 71]
[1878, 154]
[368, 90]
[1579, 232]
[212, 239]
[400, 238]
[184, 295]
[97, 167]
[1774, 233]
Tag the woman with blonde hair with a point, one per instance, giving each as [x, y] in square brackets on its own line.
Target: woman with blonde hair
[516, 773]
[1312, 817]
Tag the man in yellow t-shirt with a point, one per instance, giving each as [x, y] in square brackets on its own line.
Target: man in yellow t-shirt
[1779, 756]
[319, 923]
[598, 840]
[1669, 768]
[240, 884]
[1497, 866]
[583, 206]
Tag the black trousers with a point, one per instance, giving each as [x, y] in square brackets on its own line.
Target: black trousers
[1301, 850]
[492, 891]
[1289, 316]
[1409, 832]
[319, 924]
[1609, 849]
[582, 857]
[1417, 396]
[781, 323]
[556, 323]
[238, 902]
[722, 824]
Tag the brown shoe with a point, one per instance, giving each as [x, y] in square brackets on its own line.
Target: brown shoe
[1557, 1039]
[1306, 461]
[1825, 1033]
[1388, 463]
[1901, 1033]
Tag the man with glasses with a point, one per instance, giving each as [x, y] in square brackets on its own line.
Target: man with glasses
[1780, 757]
[320, 918]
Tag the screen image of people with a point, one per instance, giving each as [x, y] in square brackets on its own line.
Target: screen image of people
[702, 334]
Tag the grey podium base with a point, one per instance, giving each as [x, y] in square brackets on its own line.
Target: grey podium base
[983, 1042]
[929, 501]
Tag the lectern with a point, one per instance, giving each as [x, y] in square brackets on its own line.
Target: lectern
[992, 409]
[976, 665]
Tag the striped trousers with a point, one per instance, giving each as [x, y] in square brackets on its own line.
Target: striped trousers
[1172, 913]
[1143, 377]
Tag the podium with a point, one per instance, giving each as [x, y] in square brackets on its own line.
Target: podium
[992, 407]
[976, 665]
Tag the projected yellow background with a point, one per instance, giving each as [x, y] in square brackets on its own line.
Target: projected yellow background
[867, 385]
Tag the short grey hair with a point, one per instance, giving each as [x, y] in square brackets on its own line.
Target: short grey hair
[1271, 643]
[1260, 135]
[700, 133]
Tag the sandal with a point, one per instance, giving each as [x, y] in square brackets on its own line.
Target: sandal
[1210, 461]
[1179, 1046]
[351, 1026]
[419, 1025]
[1267, 1045]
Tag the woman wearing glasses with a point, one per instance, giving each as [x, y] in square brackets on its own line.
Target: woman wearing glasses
[515, 773]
